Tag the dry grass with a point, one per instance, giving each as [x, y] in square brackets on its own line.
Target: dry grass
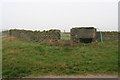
[10, 39]
[61, 43]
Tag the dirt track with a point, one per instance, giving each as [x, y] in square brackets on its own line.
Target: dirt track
[76, 76]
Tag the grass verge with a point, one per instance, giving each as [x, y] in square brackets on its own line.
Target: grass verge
[23, 58]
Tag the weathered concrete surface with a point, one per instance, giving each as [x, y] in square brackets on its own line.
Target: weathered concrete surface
[83, 33]
[91, 34]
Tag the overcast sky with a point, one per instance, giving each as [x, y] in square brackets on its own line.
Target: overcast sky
[59, 14]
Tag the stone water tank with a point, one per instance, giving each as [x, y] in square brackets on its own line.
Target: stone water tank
[83, 34]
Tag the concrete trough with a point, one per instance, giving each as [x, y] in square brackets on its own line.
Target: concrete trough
[83, 34]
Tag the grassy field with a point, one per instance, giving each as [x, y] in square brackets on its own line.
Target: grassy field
[23, 58]
[65, 36]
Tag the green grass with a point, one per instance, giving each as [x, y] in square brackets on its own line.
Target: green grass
[22, 59]
[65, 36]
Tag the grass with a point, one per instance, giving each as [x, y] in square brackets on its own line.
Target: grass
[23, 58]
[65, 36]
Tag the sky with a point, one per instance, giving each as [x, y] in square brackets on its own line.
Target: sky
[59, 14]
